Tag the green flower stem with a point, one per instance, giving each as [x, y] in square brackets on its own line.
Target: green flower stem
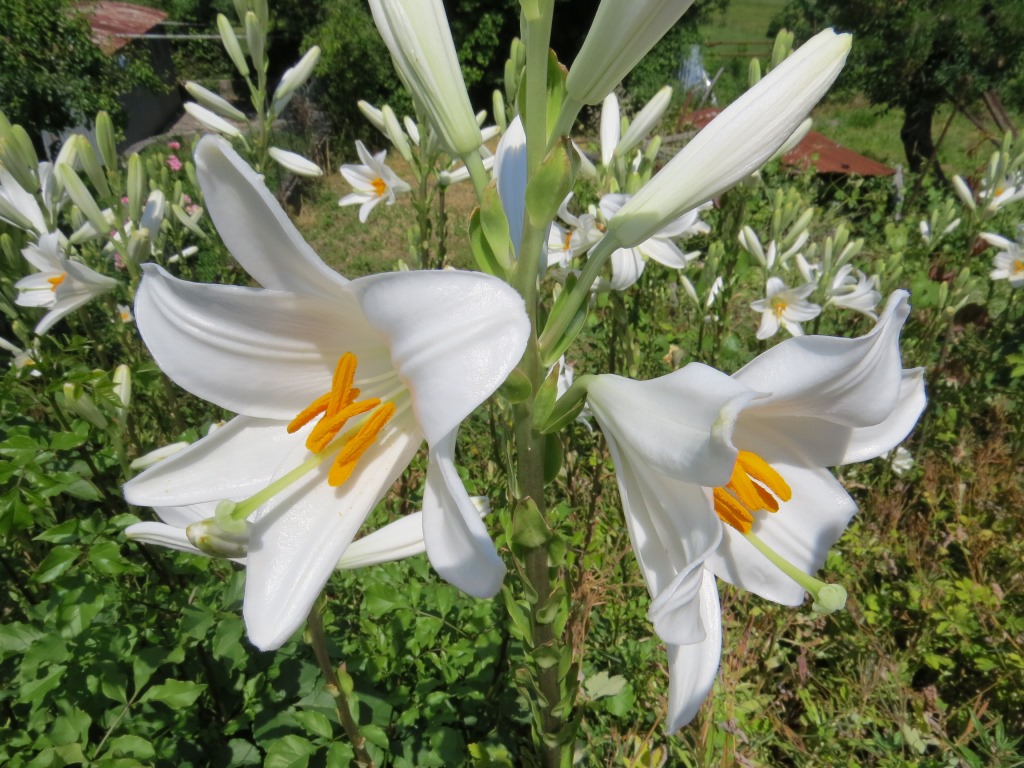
[336, 689]
[580, 293]
[246, 507]
[566, 118]
[827, 597]
[477, 173]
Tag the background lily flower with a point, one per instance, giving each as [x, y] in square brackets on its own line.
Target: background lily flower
[786, 307]
[372, 182]
[628, 263]
[1008, 264]
[854, 290]
[423, 350]
[683, 441]
[60, 285]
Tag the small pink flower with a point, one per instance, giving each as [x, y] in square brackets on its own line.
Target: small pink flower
[174, 145]
[124, 200]
[174, 163]
[118, 260]
[191, 209]
[185, 199]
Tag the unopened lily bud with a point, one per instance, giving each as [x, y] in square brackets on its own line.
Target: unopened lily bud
[214, 102]
[106, 139]
[136, 186]
[963, 192]
[255, 38]
[138, 246]
[395, 134]
[737, 142]
[227, 36]
[77, 401]
[753, 73]
[373, 115]
[295, 77]
[123, 385]
[645, 121]
[211, 121]
[417, 34]
[622, 33]
[782, 47]
[498, 107]
[90, 163]
[82, 198]
[296, 163]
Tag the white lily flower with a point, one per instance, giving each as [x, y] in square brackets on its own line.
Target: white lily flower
[1008, 264]
[628, 263]
[404, 356]
[579, 235]
[900, 459]
[854, 290]
[296, 163]
[622, 33]
[60, 285]
[1001, 194]
[701, 457]
[737, 142]
[417, 34]
[784, 306]
[21, 358]
[372, 181]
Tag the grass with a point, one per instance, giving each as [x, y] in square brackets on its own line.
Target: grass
[741, 32]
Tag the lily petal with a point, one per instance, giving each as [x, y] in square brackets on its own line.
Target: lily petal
[454, 336]
[679, 423]
[255, 228]
[457, 542]
[692, 668]
[296, 542]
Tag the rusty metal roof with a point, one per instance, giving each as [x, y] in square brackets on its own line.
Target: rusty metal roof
[114, 24]
[826, 155]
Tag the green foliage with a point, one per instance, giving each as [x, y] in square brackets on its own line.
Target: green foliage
[354, 65]
[52, 76]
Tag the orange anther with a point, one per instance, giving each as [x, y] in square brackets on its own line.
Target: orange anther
[345, 462]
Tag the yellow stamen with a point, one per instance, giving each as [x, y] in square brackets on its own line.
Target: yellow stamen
[779, 306]
[345, 462]
[55, 281]
[1018, 266]
[334, 409]
[754, 486]
[568, 241]
[379, 186]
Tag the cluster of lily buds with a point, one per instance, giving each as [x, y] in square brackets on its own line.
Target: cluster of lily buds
[1002, 184]
[218, 115]
[942, 221]
[622, 168]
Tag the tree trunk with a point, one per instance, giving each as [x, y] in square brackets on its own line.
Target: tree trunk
[916, 137]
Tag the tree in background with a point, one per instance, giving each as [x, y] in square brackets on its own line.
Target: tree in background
[52, 76]
[919, 54]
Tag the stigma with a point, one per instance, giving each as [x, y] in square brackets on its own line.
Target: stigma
[753, 487]
[334, 409]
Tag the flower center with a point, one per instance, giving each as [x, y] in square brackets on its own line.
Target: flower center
[567, 245]
[379, 186]
[779, 306]
[57, 280]
[334, 409]
[754, 486]
[1018, 265]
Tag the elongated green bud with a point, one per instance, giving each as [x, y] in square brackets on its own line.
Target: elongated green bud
[106, 139]
[91, 165]
[546, 190]
[136, 186]
[230, 40]
[255, 38]
[214, 103]
[81, 197]
[78, 402]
